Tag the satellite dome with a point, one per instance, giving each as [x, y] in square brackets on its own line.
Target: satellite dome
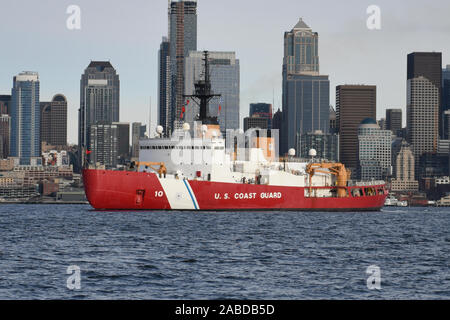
[186, 126]
[159, 129]
[312, 153]
[291, 152]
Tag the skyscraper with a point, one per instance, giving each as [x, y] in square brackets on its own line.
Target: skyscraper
[123, 141]
[99, 98]
[137, 133]
[183, 39]
[374, 151]
[429, 66]
[404, 172]
[5, 129]
[301, 50]
[5, 101]
[164, 110]
[423, 102]
[394, 120]
[306, 94]
[326, 145]
[25, 119]
[446, 100]
[333, 126]
[354, 103]
[54, 121]
[104, 140]
[225, 80]
[256, 123]
[277, 120]
[262, 110]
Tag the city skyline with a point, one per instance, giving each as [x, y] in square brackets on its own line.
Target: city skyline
[344, 39]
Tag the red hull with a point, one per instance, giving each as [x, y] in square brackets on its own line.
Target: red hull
[123, 190]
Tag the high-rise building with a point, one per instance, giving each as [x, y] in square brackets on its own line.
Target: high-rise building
[25, 119]
[446, 119]
[104, 141]
[183, 39]
[394, 120]
[301, 50]
[422, 117]
[306, 93]
[164, 110]
[143, 131]
[404, 170]
[225, 80]
[277, 120]
[382, 123]
[262, 110]
[5, 101]
[446, 100]
[333, 125]
[137, 133]
[277, 123]
[5, 128]
[326, 145]
[123, 140]
[255, 123]
[374, 151]
[354, 103]
[99, 99]
[429, 66]
[54, 121]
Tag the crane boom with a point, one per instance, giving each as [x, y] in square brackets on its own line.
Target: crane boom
[338, 169]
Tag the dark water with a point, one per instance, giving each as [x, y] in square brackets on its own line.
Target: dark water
[179, 255]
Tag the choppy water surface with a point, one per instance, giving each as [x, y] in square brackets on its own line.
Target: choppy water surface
[245, 255]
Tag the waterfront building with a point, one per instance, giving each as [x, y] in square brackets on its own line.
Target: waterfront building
[354, 103]
[25, 119]
[56, 158]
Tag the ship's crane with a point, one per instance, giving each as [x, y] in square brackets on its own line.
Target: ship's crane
[338, 169]
[162, 170]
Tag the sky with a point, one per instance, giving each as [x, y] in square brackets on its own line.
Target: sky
[34, 37]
